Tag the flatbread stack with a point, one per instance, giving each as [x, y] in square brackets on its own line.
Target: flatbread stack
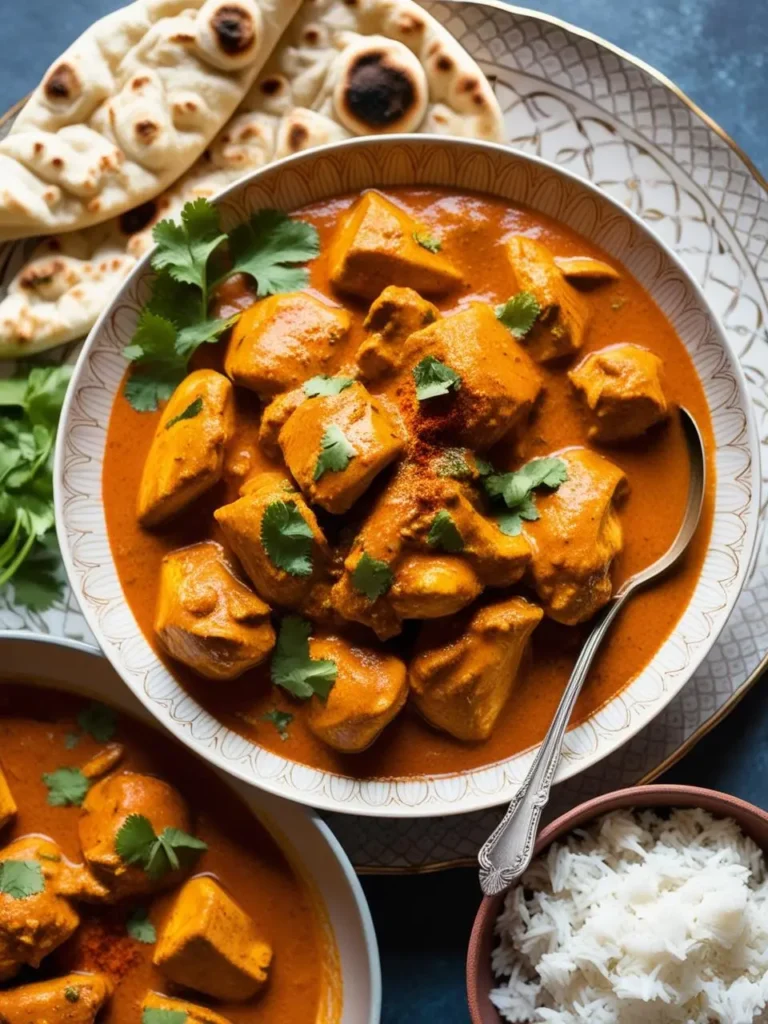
[167, 100]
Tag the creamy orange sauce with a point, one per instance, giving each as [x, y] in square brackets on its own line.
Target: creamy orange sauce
[241, 854]
[472, 229]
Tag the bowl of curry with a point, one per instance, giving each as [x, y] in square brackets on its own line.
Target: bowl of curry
[139, 884]
[357, 454]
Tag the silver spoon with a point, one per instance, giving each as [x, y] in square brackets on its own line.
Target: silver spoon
[508, 850]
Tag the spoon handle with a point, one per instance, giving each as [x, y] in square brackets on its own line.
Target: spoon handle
[508, 850]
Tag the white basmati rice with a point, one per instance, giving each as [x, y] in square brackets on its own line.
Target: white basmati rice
[638, 919]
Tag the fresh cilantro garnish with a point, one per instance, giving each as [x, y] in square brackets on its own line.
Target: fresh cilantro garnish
[483, 466]
[434, 378]
[192, 410]
[281, 720]
[427, 241]
[136, 843]
[67, 787]
[99, 721]
[269, 246]
[519, 313]
[515, 491]
[372, 577]
[176, 321]
[335, 452]
[71, 740]
[287, 538]
[20, 879]
[139, 927]
[30, 405]
[444, 534]
[72, 994]
[153, 1015]
[323, 385]
[293, 668]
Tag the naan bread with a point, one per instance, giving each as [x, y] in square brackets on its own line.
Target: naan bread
[129, 107]
[326, 80]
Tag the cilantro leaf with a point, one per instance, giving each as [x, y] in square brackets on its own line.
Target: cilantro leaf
[519, 313]
[156, 1015]
[183, 249]
[38, 583]
[427, 241]
[67, 787]
[190, 338]
[134, 839]
[323, 385]
[515, 490]
[510, 521]
[280, 719]
[20, 879]
[192, 410]
[293, 668]
[72, 994]
[335, 452]
[71, 740]
[483, 466]
[99, 721]
[139, 927]
[45, 391]
[268, 247]
[372, 577]
[444, 534]
[434, 378]
[287, 538]
[136, 843]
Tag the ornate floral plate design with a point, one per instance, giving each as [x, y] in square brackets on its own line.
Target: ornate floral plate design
[579, 102]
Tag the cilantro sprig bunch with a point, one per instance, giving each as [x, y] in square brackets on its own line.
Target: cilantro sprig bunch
[513, 493]
[193, 257]
[137, 843]
[29, 416]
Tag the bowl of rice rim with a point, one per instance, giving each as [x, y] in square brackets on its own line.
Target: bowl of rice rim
[643, 906]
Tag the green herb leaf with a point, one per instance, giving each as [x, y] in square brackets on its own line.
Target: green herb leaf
[427, 241]
[72, 994]
[136, 843]
[510, 521]
[135, 839]
[183, 249]
[519, 313]
[372, 577]
[192, 410]
[99, 721]
[323, 385]
[335, 452]
[293, 668]
[20, 879]
[268, 247]
[287, 538]
[483, 466]
[444, 534]
[71, 740]
[516, 489]
[152, 1015]
[434, 378]
[139, 927]
[281, 720]
[67, 787]
[38, 583]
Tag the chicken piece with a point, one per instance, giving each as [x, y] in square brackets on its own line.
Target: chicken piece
[622, 387]
[499, 382]
[562, 323]
[194, 1014]
[33, 926]
[187, 453]
[73, 999]
[270, 495]
[374, 246]
[281, 341]
[353, 423]
[586, 268]
[274, 418]
[369, 691]
[103, 814]
[207, 618]
[464, 670]
[7, 803]
[394, 316]
[429, 586]
[107, 759]
[577, 537]
[209, 944]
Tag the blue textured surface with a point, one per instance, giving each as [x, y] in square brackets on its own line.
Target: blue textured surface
[717, 52]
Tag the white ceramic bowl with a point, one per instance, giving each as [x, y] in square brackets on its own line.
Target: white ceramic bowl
[304, 838]
[481, 167]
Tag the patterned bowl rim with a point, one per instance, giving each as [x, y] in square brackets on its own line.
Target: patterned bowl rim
[386, 797]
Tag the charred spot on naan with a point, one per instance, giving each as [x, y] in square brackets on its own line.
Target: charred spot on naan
[138, 218]
[234, 29]
[381, 88]
[62, 84]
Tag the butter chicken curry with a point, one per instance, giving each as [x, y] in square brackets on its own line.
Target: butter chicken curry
[369, 530]
[135, 888]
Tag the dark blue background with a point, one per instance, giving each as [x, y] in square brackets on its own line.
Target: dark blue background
[717, 52]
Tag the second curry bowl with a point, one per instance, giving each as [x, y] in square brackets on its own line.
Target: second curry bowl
[451, 434]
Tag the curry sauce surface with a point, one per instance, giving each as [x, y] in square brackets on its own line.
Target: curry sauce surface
[241, 854]
[471, 228]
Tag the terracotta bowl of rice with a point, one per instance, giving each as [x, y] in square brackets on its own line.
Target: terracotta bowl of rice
[643, 906]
